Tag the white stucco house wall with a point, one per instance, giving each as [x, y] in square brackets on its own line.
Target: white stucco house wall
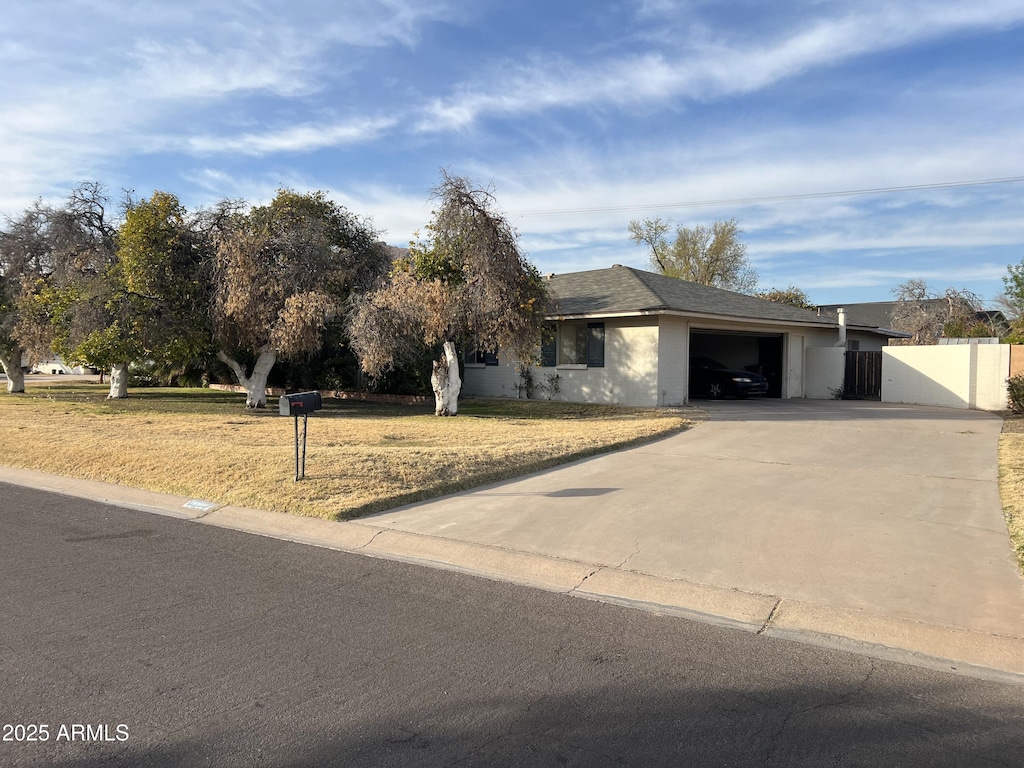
[625, 336]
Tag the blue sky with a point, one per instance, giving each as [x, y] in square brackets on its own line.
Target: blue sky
[582, 115]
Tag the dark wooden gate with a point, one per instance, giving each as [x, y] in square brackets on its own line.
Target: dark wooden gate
[863, 376]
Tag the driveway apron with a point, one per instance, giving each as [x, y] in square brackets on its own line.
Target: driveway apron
[891, 509]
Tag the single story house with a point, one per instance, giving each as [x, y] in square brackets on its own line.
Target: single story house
[626, 336]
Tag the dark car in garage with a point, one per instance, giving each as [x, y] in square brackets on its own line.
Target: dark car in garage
[709, 378]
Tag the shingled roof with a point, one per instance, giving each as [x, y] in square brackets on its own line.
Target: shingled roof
[624, 290]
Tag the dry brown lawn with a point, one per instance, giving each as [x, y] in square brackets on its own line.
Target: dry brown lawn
[1011, 482]
[361, 457]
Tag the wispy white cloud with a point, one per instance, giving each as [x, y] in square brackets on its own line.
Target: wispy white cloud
[299, 138]
[834, 277]
[77, 104]
[368, 98]
[712, 67]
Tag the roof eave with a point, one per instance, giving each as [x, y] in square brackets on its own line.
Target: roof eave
[696, 315]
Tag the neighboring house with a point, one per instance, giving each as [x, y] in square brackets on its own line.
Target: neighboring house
[626, 336]
[55, 365]
[880, 314]
[876, 313]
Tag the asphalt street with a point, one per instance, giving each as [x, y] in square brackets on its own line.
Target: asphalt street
[169, 643]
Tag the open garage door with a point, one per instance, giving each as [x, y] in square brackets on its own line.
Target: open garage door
[755, 352]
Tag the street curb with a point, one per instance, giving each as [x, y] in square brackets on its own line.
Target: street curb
[701, 602]
[975, 654]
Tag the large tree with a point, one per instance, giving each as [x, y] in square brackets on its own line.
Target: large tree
[124, 294]
[710, 255]
[468, 283]
[11, 352]
[283, 272]
[927, 316]
[793, 296]
[161, 286]
[25, 251]
[69, 305]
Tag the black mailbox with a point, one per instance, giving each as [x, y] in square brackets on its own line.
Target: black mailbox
[299, 403]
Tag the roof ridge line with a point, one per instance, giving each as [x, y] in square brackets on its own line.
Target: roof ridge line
[643, 283]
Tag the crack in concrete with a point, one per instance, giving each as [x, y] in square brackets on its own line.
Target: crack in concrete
[372, 539]
[584, 579]
[771, 615]
[635, 552]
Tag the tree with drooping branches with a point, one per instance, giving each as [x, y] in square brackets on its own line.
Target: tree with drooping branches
[468, 283]
[25, 260]
[283, 272]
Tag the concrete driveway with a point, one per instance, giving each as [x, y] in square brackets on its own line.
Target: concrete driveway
[888, 509]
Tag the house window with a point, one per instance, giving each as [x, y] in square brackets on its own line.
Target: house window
[595, 345]
[549, 346]
[581, 344]
[476, 357]
[854, 345]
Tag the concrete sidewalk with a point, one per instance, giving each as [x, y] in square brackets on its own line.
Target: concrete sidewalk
[868, 527]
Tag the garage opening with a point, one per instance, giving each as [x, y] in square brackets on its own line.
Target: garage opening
[754, 352]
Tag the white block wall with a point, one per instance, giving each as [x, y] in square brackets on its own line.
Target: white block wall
[991, 369]
[824, 371]
[954, 376]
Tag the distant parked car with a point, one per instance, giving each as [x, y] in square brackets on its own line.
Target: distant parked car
[709, 378]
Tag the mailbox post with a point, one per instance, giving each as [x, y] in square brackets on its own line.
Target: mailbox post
[302, 403]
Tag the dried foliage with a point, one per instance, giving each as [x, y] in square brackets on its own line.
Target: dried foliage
[1011, 488]
[283, 271]
[928, 316]
[708, 255]
[468, 283]
[393, 323]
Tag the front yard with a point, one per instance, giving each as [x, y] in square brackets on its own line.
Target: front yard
[361, 457]
[1011, 482]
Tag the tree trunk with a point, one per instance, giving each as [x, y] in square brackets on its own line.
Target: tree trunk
[118, 382]
[12, 367]
[446, 382]
[256, 383]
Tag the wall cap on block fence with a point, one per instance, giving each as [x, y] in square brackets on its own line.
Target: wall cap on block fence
[273, 391]
[374, 397]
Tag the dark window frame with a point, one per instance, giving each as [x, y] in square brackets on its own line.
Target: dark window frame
[595, 345]
[477, 357]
